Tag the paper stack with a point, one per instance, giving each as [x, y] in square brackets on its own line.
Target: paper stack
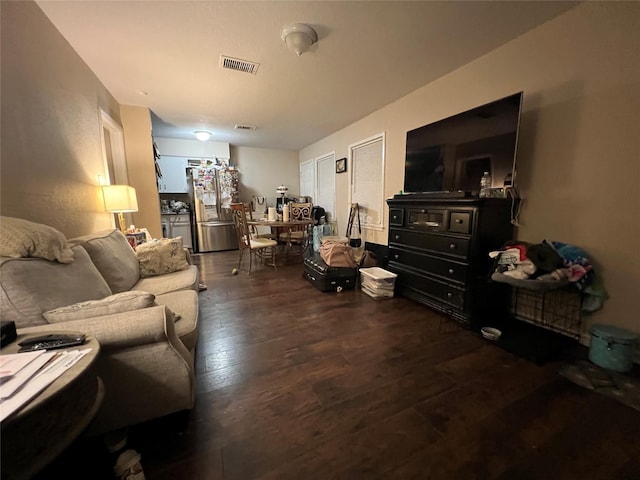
[24, 375]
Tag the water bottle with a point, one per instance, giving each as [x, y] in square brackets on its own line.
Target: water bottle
[485, 185]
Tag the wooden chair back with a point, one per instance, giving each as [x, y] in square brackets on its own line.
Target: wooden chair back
[243, 231]
[300, 211]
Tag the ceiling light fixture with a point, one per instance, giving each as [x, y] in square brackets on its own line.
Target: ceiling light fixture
[299, 37]
[202, 135]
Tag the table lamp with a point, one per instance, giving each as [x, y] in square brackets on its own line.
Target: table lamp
[119, 199]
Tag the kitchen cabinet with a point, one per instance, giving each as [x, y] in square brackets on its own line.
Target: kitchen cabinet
[192, 148]
[174, 174]
[178, 225]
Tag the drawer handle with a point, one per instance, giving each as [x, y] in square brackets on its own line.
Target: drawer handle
[396, 256]
[432, 224]
[422, 211]
[397, 237]
[451, 271]
[452, 246]
[458, 221]
[395, 217]
[449, 295]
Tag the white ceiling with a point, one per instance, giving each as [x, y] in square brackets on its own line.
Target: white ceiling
[369, 54]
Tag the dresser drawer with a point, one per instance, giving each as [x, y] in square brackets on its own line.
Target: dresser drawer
[453, 246]
[427, 219]
[396, 217]
[460, 222]
[447, 269]
[431, 287]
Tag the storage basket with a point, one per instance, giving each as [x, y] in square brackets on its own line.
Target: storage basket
[612, 348]
[377, 282]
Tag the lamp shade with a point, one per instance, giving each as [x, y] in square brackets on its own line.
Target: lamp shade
[120, 198]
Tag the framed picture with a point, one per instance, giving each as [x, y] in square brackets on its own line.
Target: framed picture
[341, 165]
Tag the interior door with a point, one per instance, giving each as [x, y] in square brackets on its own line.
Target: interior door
[307, 180]
[326, 184]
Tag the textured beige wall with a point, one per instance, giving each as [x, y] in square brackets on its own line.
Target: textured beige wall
[51, 150]
[262, 170]
[578, 159]
[138, 144]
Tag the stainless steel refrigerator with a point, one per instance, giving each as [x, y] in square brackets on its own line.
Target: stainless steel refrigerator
[214, 188]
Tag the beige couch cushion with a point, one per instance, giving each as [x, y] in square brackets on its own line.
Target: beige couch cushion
[186, 279]
[159, 257]
[22, 238]
[113, 257]
[118, 303]
[31, 286]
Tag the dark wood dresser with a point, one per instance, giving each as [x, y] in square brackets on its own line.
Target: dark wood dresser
[439, 248]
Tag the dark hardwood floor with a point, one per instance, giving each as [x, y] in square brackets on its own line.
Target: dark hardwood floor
[293, 383]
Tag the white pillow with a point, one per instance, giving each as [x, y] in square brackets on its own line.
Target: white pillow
[22, 238]
[118, 303]
[161, 256]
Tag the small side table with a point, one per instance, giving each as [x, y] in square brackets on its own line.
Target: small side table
[42, 429]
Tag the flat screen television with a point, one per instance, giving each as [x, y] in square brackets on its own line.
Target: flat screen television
[449, 156]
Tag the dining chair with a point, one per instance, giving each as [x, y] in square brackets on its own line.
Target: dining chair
[297, 238]
[262, 248]
[256, 229]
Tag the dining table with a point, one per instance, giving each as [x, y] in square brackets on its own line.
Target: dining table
[282, 226]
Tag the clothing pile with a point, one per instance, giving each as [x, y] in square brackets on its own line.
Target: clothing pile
[547, 266]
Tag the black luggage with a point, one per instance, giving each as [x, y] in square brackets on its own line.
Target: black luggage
[326, 278]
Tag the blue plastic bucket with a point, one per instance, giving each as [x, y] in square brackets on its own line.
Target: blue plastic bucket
[612, 348]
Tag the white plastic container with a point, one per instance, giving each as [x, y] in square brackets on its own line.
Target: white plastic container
[377, 282]
[377, 293]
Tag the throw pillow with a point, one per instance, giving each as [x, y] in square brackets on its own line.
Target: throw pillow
[118, 303]
[158, 257]
[113, 257]
[22, 238]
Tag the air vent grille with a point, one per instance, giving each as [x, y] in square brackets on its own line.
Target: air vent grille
[245, 127]
[239, 65]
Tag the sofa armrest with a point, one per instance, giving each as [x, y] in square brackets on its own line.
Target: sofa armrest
[119, 330]
[147, 371]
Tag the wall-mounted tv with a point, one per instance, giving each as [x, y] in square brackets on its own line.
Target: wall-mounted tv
[450, 155]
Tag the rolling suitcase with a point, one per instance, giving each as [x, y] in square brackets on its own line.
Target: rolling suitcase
[326, 278]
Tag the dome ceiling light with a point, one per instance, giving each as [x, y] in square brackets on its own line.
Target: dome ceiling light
[299, 37]
[202, 135]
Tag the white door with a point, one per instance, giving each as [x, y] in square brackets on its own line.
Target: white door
[307, 180]
[326, 184]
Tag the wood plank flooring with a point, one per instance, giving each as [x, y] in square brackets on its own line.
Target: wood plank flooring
[293, 383]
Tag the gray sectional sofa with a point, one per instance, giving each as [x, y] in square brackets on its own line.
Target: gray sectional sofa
[147, 326]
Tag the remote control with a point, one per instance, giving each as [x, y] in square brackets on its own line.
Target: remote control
[50, 342]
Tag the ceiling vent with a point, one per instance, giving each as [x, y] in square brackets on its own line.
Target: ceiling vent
[245, 127]
[231, 63]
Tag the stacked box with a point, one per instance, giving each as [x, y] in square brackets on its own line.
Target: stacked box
[377, 282]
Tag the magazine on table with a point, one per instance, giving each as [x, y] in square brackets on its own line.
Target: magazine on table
[24, 375]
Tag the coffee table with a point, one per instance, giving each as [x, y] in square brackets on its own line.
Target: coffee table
[42, 429]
